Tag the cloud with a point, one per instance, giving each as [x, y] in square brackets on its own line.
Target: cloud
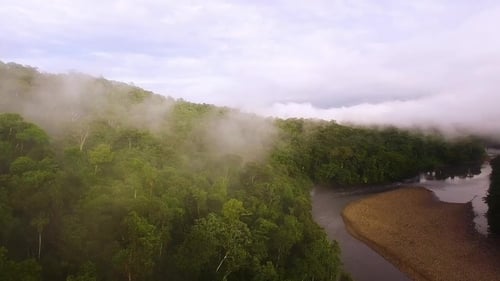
[377, 61]
[453, 113]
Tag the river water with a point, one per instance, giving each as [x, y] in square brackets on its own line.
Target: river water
[359, 260]
[462, 189]
[364, 264]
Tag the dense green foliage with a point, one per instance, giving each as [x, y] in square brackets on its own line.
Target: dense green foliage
[338, 155]
[128, 206]
[493, 197]
[109, 182]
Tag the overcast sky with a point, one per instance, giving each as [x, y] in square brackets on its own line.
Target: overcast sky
[370, 61]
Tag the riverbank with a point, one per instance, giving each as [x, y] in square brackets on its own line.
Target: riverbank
[424, 237]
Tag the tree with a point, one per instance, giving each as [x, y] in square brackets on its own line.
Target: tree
[217, 246]
[100, 155]
[39, 222]
[27, 270]
[140, 242]
[87, 272]
[493, 197]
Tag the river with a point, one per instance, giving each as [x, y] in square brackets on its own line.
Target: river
[462, 189]
[365, 264]
[359, 260]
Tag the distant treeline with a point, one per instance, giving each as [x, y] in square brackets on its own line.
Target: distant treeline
[339, 155]
[493, 197]
[100, 180]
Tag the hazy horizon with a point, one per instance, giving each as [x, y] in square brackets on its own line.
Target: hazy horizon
[423, 64]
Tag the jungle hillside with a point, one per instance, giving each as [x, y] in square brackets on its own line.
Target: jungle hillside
[102, 180]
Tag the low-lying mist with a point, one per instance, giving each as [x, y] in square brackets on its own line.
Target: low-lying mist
[246, 135]
[63, 102]
[452, 114]
[69, 103]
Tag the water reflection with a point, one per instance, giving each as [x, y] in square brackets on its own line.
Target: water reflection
[461, 185]
[461, 172]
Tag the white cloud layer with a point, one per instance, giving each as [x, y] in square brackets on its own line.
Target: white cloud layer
[432, 62]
